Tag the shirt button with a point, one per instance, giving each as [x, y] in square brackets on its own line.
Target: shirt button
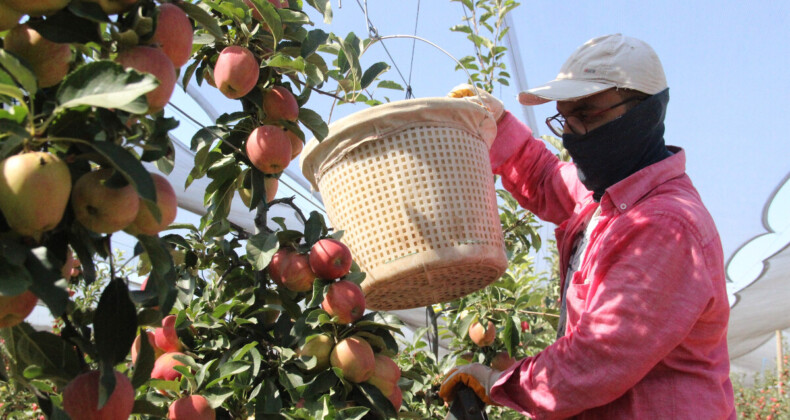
[623, 206]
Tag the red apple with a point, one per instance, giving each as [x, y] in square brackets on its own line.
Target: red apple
[81, 398]
[193, 407]
[166, 201]
[502, 361]
[298, 276]
[14, 309]
[319, 346]
[280, 104]
[154, 61]
[174, 34]
[524, 326]
[482, 336]
[49, 60]
[151, 340]
[236, 71]
[269, 149]
[396, 398]
[36, 7]
[296, 144]
[330, 258]
[278, 264]
[163, 367]
[100, 208]
[345, 300]
[166, 337]
[385, 375]
[355, 358]
[34, 192]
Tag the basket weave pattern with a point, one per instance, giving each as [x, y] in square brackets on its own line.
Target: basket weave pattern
[420, 215]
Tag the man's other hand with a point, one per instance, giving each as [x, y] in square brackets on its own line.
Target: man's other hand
[468, 92]
[479, 378]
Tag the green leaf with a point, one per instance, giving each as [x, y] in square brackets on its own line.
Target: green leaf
[16, 279]
[511, 338]
[352, 413]
[145, 362]
[56, 357]
[202, 18]
[293, 16]
[19, 72]
[271, 18]
[47, 283]
[12, 136]
[314, 39]
[67, 28]
[373, 72]
[284, 62]
[260, 249]
[115, 323]
[313, 121]
[388, 84]
[217, 396]
[461, 28]
[106, 84]
[143, 406]
[89, 10]
[323, 7]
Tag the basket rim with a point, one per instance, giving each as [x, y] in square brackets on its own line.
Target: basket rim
[384, 120]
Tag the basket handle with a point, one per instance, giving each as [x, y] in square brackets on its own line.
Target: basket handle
[377, 38]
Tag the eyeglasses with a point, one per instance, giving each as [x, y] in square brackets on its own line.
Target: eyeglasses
[557, 122]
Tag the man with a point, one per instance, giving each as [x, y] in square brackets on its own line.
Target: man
[644, 304]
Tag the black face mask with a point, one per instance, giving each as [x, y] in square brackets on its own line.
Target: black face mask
[619, 148]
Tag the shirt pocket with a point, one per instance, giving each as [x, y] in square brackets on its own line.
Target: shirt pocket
[576, 297]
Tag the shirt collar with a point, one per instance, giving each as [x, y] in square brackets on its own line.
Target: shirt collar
[627, 192]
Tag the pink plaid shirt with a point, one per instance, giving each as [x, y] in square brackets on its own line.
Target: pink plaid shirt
[646, 334]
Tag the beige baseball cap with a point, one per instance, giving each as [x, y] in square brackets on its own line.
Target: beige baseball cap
[602, 63]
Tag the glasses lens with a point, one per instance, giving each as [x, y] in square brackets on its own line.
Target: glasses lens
[556, 126]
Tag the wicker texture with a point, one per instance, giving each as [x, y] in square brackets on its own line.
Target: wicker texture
[419, 212]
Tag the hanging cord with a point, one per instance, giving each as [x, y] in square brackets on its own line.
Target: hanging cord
[373, 33]
[409, 93]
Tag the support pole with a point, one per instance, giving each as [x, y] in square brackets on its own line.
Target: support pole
[779, 360]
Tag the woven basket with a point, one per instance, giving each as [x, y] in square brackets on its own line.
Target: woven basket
[410, 184]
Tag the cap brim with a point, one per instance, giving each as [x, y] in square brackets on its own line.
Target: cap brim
[561, 90]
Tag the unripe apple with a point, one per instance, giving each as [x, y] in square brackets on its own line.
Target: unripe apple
[385, 375]
[296, 144]
[154, 61]
[270, 183]
[345, 300]
[319, 346]
[236, 71]
[34, 192]
[330, 258]
[81, 398]
[36, 7]
[280, 104]
[14, 309]
[502, 361]
[278, 264]
[166, 201]
[151, 340]
[163, 367]
[354, 356]
[482, 336]
[174, 34]
[49, 60]
[8, 17]
[166, 337]
[113, 7]
[100, 208]
[193, 407]
[270, 315]
[269, 149]
[298, 276]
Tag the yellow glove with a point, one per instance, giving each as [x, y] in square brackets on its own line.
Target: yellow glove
[479, 378]
[468, 92]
